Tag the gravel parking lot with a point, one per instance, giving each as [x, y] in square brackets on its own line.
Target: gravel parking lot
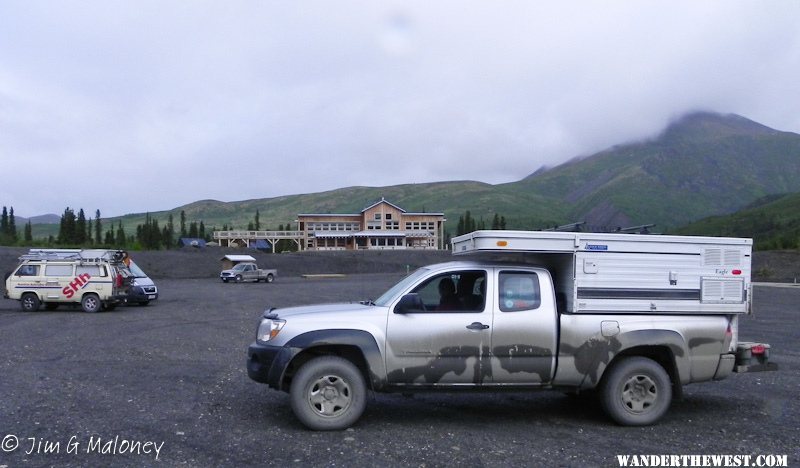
[166, 385]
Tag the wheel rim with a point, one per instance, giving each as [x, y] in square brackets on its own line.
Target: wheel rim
[91, 303]
[330, 396]
[27, 302]
[639, 393]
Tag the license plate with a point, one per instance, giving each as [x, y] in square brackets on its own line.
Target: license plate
[151, 296]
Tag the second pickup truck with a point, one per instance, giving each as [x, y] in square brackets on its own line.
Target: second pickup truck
[247, 271]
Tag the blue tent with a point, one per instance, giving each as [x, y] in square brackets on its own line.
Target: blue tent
[261, 244]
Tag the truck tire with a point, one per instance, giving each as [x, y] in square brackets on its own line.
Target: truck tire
[91, 303]
[30, 302]
[328, 393]
[636, 391]
[270, 278]
[239, 278]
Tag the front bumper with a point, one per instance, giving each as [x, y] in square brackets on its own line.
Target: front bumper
[267, 364]
[142, 294]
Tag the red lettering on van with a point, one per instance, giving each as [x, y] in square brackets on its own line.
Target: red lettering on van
[77, 283]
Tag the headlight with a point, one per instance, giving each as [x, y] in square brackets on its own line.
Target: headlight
[269, 329]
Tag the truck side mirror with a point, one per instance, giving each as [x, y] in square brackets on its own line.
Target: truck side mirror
[409, 303]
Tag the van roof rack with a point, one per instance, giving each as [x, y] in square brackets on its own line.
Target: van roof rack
[83, 256]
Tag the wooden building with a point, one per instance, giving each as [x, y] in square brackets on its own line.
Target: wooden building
[382, 225]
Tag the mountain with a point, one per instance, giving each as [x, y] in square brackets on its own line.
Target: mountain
[702, 164]
[41, 219]
[773, 222]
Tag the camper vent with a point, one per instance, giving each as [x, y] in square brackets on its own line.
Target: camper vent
[722, 290]
[722, 257]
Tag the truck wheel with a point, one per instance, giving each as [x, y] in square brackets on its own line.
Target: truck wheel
[91, 303]
[636, 392]
[328, 393]
[270, 278]
[30, 302]
[238, 278]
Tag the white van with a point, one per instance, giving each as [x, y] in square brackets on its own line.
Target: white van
[95, 279]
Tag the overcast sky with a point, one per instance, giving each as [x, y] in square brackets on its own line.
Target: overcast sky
[134, 106]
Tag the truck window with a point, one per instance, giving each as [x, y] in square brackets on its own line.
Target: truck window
[519, 290]
[58, 270]
[460, 291]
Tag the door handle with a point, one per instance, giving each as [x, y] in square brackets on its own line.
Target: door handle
[477, 326]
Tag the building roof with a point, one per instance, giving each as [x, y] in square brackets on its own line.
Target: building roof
[359, 215]
[383, 200]
[238, 258]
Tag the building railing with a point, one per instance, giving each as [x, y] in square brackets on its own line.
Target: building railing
[257, 234]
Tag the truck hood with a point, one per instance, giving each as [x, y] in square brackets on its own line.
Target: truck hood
[322, 310]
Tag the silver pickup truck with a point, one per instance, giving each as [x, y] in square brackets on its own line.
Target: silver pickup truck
[247, 271]
[632, 317]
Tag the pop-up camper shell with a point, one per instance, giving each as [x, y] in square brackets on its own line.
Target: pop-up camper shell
[630, 273]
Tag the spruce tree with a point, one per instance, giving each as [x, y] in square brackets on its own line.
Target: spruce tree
[80, 228]
[12, 226]
[98, 228]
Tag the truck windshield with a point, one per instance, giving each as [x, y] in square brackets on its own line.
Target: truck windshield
[387, 297]
[239, 267]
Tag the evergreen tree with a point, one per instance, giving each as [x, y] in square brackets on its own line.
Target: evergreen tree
[80, 228]
[120, 240]
[4, 221]
[192, 230]
[169, 237]
[183, 224]
[466, 224]
[496, 222]
[89, 231]
[166, 237]
[258, 222]
[98, 228]
[28, 232]
[12, 226]
[4, 226]
[66, 229]
[201, 232]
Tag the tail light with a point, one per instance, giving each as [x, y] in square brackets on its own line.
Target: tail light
[118, 280]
